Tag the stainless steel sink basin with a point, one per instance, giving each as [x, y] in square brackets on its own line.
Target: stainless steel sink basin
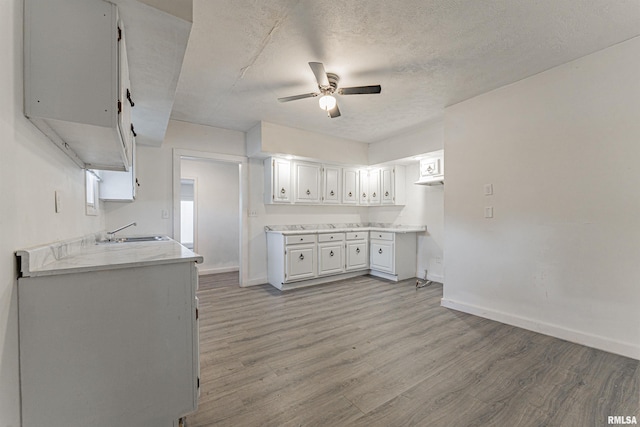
[135, 239]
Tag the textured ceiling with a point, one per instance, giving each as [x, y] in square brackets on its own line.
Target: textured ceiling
[427, 54]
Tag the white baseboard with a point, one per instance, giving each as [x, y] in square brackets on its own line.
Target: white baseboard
[590, 340]
[255, 282]
[435, 278]
[216, 270]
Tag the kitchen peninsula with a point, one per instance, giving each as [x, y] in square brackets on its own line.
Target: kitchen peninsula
[108, 332]
[305, 255]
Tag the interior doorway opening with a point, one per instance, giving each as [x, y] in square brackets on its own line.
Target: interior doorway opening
[208, 209]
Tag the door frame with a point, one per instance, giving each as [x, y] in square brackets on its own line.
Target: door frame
[243, 177]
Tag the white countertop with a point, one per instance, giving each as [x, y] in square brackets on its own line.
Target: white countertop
[342, 228]
[83, 254]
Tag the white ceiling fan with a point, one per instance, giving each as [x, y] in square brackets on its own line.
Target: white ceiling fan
[328, 86]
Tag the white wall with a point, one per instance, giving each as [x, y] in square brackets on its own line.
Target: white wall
[218, 213]
[425, 138]
[155, 175]
[31, 169]
[561, 149]
[268, 138]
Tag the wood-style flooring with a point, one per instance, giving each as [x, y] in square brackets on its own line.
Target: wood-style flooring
[368, 352]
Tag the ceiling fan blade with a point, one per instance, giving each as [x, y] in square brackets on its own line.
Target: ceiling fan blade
[334, 112]
[320, 73]
[295, 97]
[360, 90]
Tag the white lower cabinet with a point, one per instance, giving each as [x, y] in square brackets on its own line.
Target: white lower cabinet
[393, 255]
[357, 251]
[382, 256]
[296, 260]
[301, 262]
[109, 347]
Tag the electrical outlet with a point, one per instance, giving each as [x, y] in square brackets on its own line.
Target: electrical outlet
[253, 213]
[438, 260]
[165, 214]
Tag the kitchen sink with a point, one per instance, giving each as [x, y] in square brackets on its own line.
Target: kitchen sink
[135, 239]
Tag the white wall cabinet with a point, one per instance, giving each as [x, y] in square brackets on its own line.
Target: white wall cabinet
[307, 182]
[331, 184]
[363, 179]
[119, 186]
[432, 169]
[277, 181]
[76, 81]
[350, 188]
[374, 187]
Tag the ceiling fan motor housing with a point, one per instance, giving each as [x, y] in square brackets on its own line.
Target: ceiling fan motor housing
[333, 83]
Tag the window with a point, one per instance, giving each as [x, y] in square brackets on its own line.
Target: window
[91, 180]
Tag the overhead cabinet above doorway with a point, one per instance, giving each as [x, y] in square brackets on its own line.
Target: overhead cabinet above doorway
[77, 88]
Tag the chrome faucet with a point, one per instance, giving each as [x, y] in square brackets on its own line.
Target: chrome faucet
[112, 234]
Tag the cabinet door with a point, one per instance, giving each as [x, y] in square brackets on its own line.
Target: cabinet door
[307, 176]
[350, 178]
[119, 186]
[382, 256]
[281, 177]
[331, 260]
[374, 187]
[331, 184]
[387, 181]
[364, 187]
[357, 255]
[125, 99]
[300, 262]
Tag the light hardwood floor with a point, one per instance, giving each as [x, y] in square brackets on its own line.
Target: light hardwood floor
[368, 352]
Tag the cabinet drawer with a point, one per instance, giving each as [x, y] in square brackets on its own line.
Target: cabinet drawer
[382, 235]
[300, 238]
[331, 237]
[357, 235]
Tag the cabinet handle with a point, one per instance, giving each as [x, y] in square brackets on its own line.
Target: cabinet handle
[302, 239]
[282, 191]
[129, 98]
[386, 194]
[374, 194]
[331, 253]
[308, 192]
[350, 194]
[331, 237]
[380, 251]
[364, 195]
[301, 257]
[332, 193]
[357, 250]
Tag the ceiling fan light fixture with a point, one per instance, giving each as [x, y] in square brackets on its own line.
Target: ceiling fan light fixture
[327, 102]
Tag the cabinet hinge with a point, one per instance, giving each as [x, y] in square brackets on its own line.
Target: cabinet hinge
[197, 314]
[119, 107]
[119, 33]
[198, 381]
[133, 131]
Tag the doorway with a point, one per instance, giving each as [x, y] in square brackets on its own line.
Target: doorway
[208, 209]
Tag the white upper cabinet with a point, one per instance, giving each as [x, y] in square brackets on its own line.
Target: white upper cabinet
[350, 188]
[374, 187]
[432, 169]
[119, 186]
[307, 182]
[76, 80]
[331, 188]
[363, 176]
[277, 180]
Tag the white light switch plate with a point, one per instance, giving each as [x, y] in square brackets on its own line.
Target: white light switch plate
[488, 189]
[58, 202]
[488, 211]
